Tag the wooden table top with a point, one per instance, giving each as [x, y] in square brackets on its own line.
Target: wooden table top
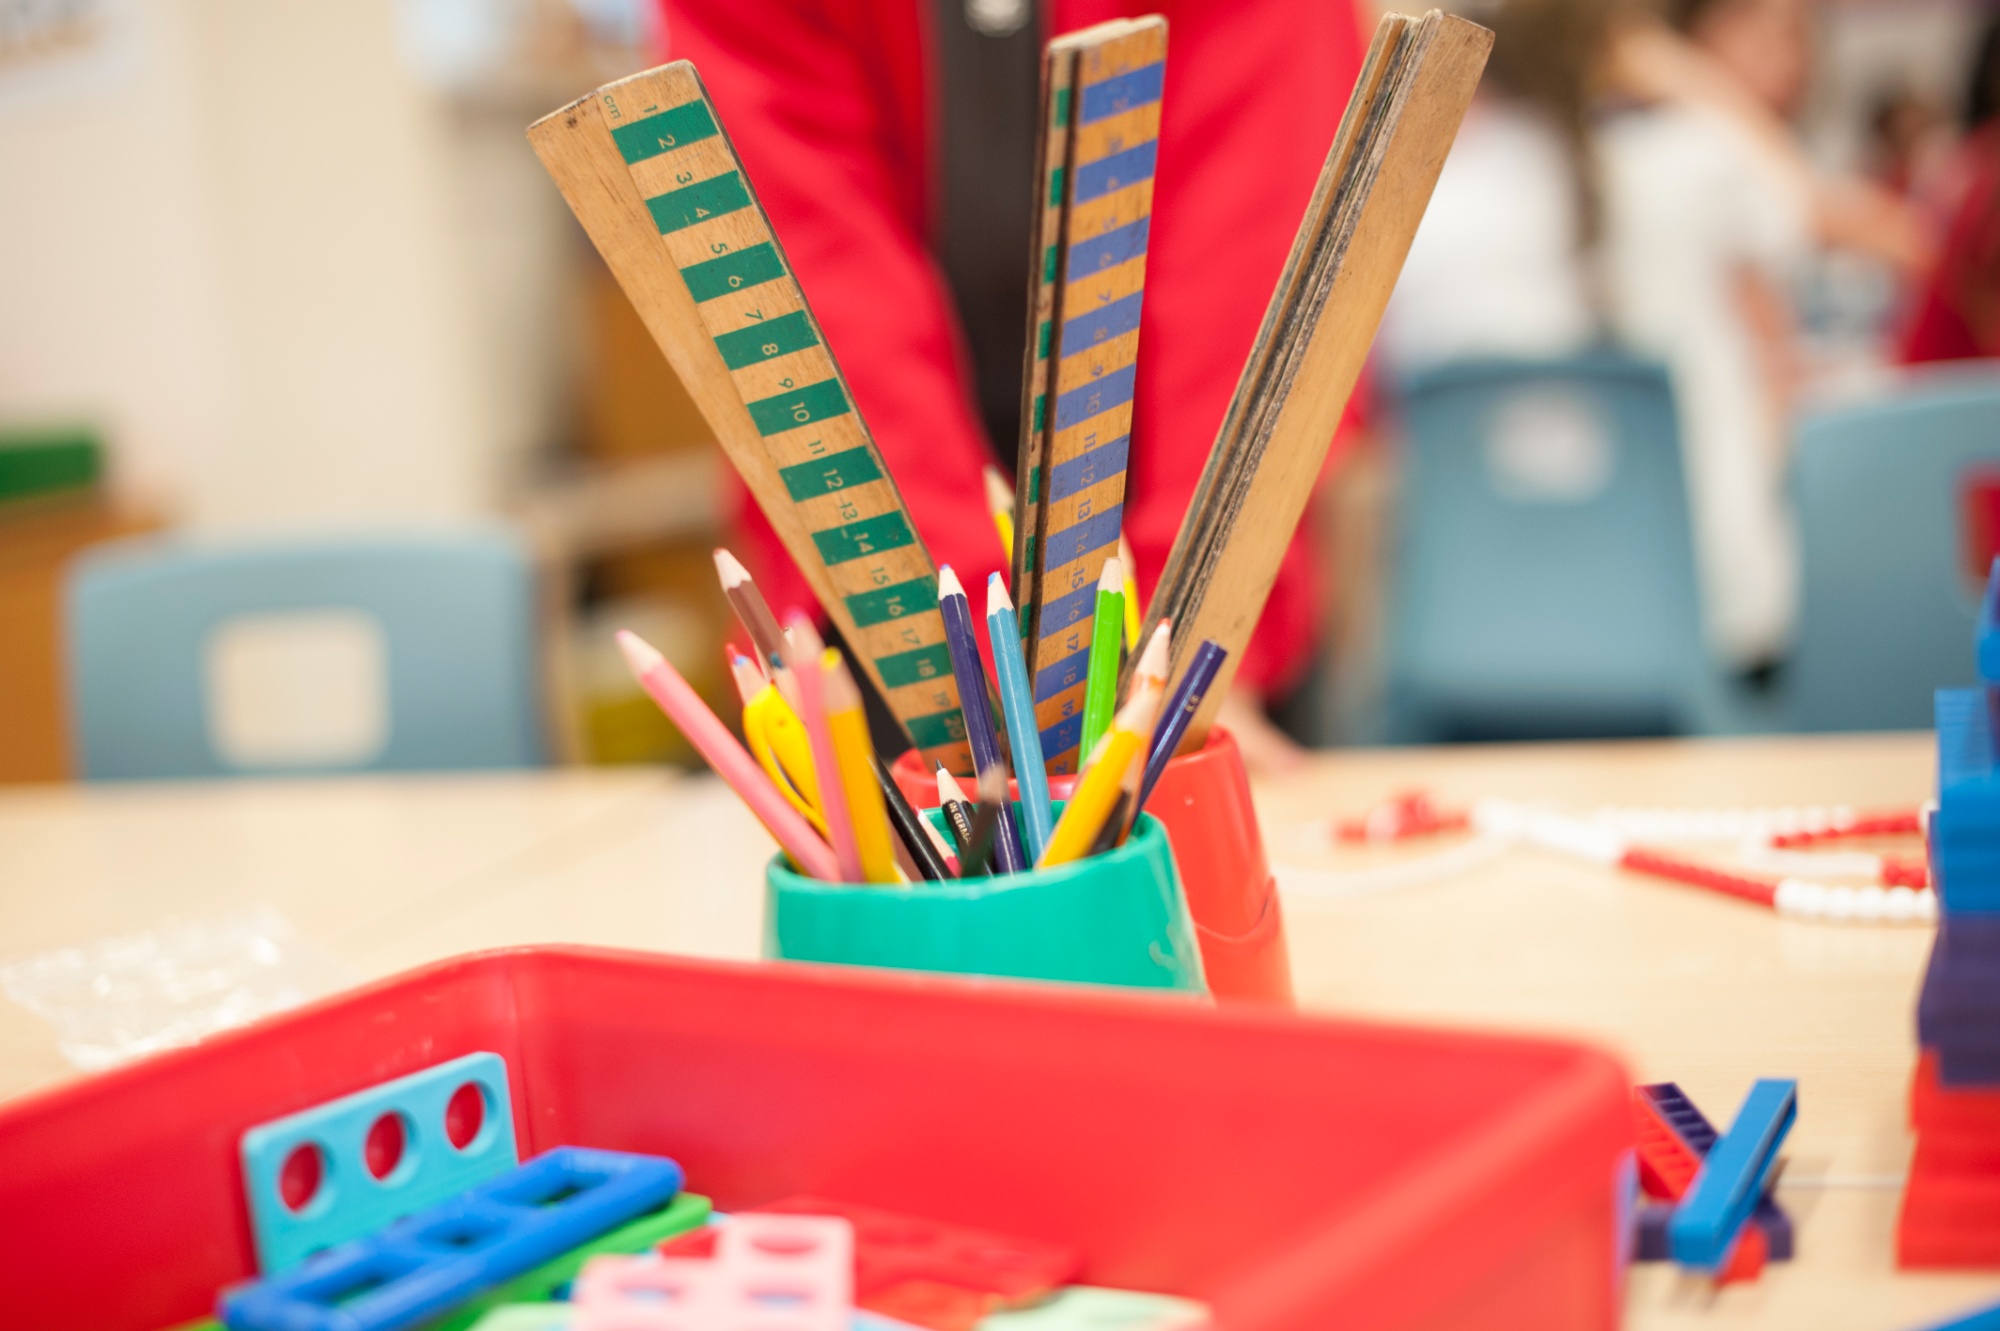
[385, 873]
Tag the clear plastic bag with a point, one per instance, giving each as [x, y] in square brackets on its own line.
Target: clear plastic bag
[115, 999]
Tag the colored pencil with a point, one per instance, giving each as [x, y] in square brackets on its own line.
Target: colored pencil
[1100, 681]
[1131, 568]
[1112, 833]
[957, 813]
[1000, 503]
[1097, 791]
[1180, 713]
[802, 651]
[751, 608]
[848, 725]
[1149, 672]
[911, 828]
[983, 837]
[729, 759]
[979, 730]
[1017, 706]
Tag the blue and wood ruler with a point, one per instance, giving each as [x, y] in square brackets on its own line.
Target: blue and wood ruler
[1099, 139]
[650, 173]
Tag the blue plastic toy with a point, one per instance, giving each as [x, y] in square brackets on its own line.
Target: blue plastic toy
[1989, 626]
[1718, 1204]
[423, 1265]
[1965, 830]
[350, 1200]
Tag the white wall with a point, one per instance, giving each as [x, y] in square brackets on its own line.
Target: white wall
[238, 252]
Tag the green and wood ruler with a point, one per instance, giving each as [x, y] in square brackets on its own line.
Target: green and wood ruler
[1099, 139]
[650, 173]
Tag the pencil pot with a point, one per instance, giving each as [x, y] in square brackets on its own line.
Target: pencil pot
[1203, 801]
[1117, 918]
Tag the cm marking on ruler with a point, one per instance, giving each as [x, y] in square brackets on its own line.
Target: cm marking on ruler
[805, 451]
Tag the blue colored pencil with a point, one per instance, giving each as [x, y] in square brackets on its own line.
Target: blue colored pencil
[979, 731]
[1179, 714]
[1017, 706]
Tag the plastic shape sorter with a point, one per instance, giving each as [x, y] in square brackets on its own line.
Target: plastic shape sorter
[426, 1264]
[351, 1166]
[769, 1273]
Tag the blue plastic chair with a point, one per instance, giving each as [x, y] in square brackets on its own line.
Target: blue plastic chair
[1888, 594]
[454, 613]
[1544, 581]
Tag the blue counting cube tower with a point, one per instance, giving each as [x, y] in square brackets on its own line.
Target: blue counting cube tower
[1705, 1225]
[349, 1167]
[1965, 830]
[426, 1264]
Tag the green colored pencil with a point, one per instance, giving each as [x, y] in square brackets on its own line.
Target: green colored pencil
[1100, 683]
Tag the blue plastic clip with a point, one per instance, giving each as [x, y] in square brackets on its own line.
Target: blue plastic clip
[1732, 1177]
[423, 1166]
[423, 1265]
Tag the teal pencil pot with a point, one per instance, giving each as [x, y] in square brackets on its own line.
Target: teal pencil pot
[1117, 918]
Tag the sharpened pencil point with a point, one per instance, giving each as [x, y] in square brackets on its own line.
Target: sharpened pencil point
[997, 599]
[999, 491]
[948, 583]
[640, 655]
[1112, 579]
[730, 569]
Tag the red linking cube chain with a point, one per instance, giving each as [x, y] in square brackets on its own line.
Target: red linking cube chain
[1899, 893]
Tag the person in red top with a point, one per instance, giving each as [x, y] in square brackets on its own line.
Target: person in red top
[891, 143]
[1956, 311]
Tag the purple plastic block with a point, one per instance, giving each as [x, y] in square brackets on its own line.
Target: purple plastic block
[1699, 1134]
[1978, 1065]
[1649, 1232]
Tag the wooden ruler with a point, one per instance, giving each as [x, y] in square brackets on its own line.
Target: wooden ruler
[1099, 135]
[1400, 122]
[650, 173]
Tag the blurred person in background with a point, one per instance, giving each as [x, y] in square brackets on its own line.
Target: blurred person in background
[1956, 311]
[1619, 183]
[892, 143]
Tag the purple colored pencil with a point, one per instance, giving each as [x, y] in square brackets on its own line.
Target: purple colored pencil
[1179, 713]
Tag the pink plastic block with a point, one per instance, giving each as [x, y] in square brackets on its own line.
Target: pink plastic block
[769, 1273]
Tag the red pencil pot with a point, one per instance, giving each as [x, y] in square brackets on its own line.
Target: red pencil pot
[1203, 799]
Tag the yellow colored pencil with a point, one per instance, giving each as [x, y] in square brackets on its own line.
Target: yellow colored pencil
[1132, 615]
[848, 725]
[1000, 502]
[1083, 817]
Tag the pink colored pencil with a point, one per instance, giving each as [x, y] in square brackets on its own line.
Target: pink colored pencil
[727, 756]
[803, 649]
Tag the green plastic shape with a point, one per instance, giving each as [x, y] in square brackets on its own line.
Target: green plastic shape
[1118, 918]
[686, 1211]
[1087, 1308]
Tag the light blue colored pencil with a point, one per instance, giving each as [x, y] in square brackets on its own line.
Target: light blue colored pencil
[1017, 703]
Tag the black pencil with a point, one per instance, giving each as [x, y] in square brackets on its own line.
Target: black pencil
[906, 822]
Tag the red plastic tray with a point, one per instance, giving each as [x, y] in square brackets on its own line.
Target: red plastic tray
[1297, 1173]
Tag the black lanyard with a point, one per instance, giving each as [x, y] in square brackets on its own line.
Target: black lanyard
[990, 66]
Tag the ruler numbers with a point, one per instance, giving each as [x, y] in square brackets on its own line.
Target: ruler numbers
[1101, 201]
[750, 305]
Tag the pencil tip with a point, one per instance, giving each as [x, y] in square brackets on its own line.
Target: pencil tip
[1153, 661]
[640, 655]
[948, 583]
[999, 493]
[1112, 579]
[997, 600]
[730, 569]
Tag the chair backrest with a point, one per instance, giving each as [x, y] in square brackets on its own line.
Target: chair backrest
[1544, 581]
[358, 654]
[1897, 504]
